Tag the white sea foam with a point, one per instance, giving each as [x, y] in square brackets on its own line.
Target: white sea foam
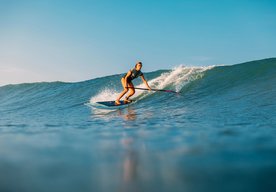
[178, 77]
[105, 95]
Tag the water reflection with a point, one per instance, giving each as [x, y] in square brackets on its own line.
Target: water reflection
[128, 114]
[130, 165]
[129, 160]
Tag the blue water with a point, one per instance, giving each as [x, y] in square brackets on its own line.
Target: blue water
[218, 134]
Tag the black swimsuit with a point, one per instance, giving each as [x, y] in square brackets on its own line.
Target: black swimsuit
[134, 75]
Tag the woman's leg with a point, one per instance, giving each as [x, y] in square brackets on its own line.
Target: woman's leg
[132, 90]
[123, 92]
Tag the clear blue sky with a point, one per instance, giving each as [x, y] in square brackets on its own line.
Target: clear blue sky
[70, 40]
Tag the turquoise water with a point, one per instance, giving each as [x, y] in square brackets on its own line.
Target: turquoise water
[218, 134]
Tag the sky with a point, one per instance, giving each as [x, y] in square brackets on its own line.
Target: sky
[70, 40]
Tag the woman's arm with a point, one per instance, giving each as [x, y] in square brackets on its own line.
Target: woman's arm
[145, 82]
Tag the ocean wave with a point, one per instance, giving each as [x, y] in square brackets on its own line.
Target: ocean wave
[192, 82]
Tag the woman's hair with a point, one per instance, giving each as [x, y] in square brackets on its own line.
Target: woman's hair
[138, 63]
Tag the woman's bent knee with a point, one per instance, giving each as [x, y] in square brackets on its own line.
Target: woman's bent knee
[132, 91]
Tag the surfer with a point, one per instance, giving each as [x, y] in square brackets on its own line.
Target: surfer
[128, 85]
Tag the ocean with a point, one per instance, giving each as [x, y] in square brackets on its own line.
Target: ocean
[217, 134]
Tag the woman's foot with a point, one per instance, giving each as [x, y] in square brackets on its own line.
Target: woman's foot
[127, 101]
[117, 102]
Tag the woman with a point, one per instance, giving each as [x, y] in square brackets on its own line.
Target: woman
[128, 85]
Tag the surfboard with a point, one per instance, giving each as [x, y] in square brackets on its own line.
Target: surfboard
[109, 105]
[112, 103]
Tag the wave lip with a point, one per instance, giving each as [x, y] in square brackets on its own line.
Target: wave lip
[178, 77]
